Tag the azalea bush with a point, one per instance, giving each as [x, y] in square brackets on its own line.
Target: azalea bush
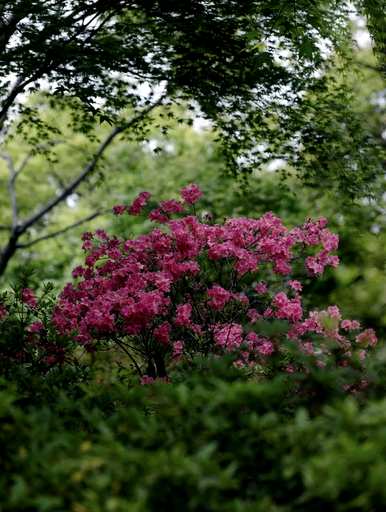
[192, 286]
[28, 340]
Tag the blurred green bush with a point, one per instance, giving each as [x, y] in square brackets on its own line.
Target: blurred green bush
[211, 442]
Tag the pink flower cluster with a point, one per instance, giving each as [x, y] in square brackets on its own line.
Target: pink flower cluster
[29, 298]
[189, 195]
[3, 311]
[24, 324]
[136, 207]
[189, 287]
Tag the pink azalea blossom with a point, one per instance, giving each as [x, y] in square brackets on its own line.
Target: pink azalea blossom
[295, 285]
[253, 315]
[183, 315]
[146, 379]
[119, 209]
[35, 327]
[29, 298]
[350, 325]
[171, 206]
[367, 338]
[157, 215]
[218, 297]
[265, 348]
[191, 194]
[290, 309]
[178, 349]
[162, 333]
[261, 288]
[139, 203]
[229, 336]
[3, 312]
[162, 291]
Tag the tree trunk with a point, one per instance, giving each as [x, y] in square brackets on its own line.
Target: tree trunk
[8, 251]
[160, 365]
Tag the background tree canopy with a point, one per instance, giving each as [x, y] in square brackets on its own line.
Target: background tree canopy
[258, 70]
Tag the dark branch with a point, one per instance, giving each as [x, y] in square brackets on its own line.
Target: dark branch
[8, 28]
[60, 231]
[127, 352]
[17, 88]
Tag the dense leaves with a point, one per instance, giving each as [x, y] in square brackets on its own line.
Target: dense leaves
[211, 51]
[28, 343]
[210, 443]
[256, 69]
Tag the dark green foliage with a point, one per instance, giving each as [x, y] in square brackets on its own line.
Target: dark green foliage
[258, 70]
[375, 11]
[212, 52]
[29, 345]
[206, 444]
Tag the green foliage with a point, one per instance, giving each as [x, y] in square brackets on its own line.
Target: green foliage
[208, 443]
[258, 70]
[374, 10]
[29, 345]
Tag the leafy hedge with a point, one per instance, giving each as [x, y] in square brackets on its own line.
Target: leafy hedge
[204, 444]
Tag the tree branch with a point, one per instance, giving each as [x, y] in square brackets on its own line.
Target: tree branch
[11, 187]
[127, 352]
[17, 88]
[60, 231]
[89, 168]
[8, 28]
[48, 63]
[8, 251]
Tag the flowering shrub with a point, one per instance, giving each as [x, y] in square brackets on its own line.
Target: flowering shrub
[189, 287]
[27, 337]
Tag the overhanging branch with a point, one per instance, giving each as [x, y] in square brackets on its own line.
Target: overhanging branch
[18, 229]
[60, 231]
[89, 168]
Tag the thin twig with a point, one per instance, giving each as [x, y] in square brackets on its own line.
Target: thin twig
[17, 88]
[60, 231]
[122, 347]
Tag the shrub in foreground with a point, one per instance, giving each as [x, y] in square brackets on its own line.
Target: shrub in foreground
[205, 444]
